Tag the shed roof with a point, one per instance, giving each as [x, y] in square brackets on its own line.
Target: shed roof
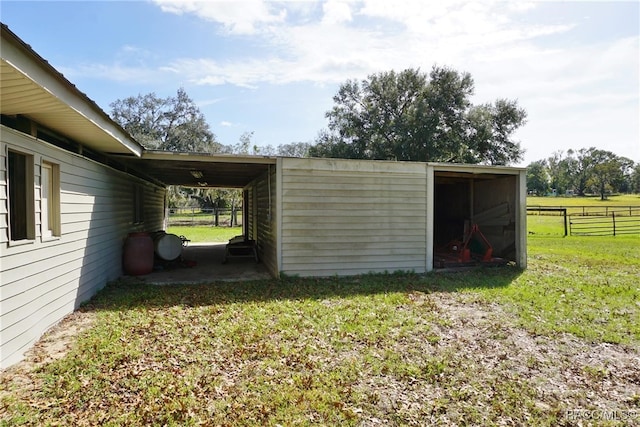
[201, 170]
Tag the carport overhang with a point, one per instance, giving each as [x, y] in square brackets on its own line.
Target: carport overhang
[200, 170]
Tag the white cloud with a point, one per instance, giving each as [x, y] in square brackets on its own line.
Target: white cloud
[328, 41]
[237, 17]
[336, 12]
[225, 123]
[115, 72]
[571, 89]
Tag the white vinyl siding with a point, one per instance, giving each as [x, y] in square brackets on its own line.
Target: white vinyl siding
[44, 281]
[342, 217]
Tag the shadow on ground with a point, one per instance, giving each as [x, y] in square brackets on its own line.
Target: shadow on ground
[203, 264]
[209, 286]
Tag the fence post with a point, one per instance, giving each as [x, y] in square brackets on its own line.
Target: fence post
[216, 215]
[565, 222]
[613, 216]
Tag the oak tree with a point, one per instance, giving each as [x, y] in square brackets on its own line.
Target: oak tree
[416, 116]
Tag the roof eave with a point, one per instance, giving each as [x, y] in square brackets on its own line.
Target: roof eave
[55, 88]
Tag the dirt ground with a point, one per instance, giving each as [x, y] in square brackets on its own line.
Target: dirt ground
[562, 368]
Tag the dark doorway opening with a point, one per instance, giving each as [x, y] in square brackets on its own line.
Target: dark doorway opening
[474, 219]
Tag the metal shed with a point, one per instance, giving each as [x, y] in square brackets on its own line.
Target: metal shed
[324, 217]
[73, 184]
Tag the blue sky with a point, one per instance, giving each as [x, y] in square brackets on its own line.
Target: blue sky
[272, 67]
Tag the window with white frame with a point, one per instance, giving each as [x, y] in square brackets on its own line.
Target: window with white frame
[21, 201]
[50, 199]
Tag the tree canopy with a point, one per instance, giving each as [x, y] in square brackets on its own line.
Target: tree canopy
[585, 170]
[416, 116]
[172, 123]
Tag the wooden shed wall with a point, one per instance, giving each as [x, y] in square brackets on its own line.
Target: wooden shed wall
[350, 217]
[43, 280]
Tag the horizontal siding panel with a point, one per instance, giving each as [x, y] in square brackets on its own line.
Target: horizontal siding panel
[25, 333]
[353, 217]
[34, 302]
[363, 266]
[45, 280]
[392, 180]
[296, 187]
[295, 243]
[37, 271]
[40, 255]
[365, 221]
[406, 194]
[357, 254]
[346, 212]
[349, 236]
[344, 165]
[324, 270]
[38, 298]
[361, 227]
[393, 204]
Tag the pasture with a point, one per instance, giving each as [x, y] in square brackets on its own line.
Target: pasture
[490, 346]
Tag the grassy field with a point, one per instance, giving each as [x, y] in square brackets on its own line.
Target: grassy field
[545, 346]
[486, 347]
[551, 223]
[205, 233]
[587, 204]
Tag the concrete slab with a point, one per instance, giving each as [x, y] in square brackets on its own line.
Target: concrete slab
[208, 267]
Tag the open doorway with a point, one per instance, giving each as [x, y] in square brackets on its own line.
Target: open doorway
[474, 219]
[204, 229]
[251, 215]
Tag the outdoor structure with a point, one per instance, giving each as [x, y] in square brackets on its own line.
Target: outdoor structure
[73, 185]
[65, 206]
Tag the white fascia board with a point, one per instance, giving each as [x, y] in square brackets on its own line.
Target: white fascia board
[29, 64]
[204, 157]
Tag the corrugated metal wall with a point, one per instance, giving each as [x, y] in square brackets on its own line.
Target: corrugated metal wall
[350, 217]
[43, 280]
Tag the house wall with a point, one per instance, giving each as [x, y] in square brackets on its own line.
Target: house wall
[43, 280]
[263, 219]
[343, 217]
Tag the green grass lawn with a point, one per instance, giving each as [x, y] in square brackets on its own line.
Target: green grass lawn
[205, 233]
[483, 347]
[551, 223]
[614, 200]
[588, 204]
